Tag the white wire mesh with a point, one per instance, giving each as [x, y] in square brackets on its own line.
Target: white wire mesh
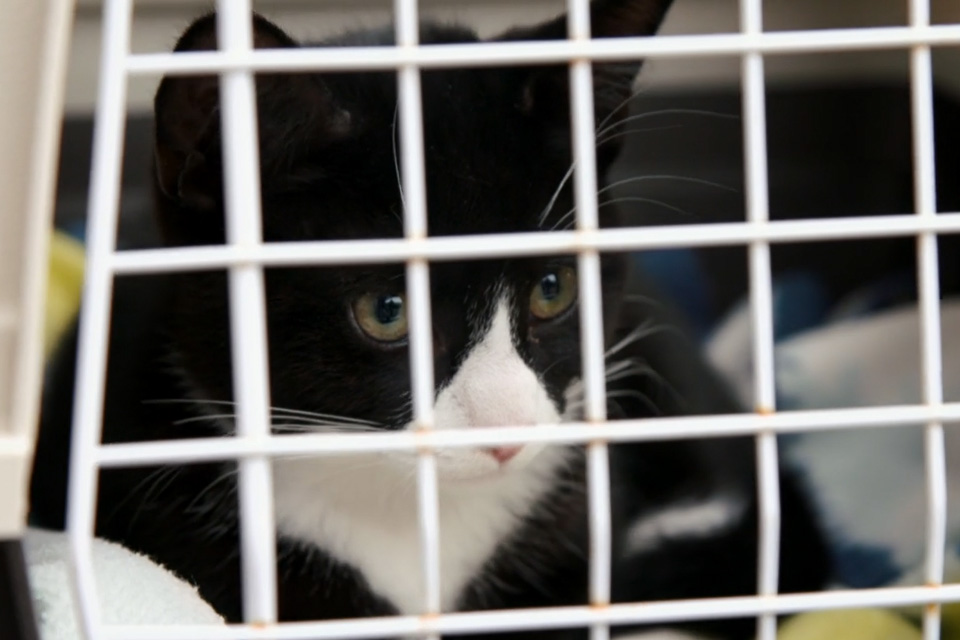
[591, 320]
[761, 309]
[418, 285]
[246, 256]
[921, 80]
[248, 329]
[95, 313]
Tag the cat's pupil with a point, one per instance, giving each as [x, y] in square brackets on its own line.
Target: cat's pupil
[550, 286]
[389, 308]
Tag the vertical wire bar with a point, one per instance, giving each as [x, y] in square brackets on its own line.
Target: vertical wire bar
[761, 307]
[591, 313]
[247, 316]
[925, 198]
[103, 210]
[418, 289]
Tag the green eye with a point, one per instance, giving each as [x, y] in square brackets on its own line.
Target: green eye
[554, 294]
[382, 316]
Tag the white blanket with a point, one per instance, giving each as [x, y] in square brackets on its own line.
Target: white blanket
[133, 590]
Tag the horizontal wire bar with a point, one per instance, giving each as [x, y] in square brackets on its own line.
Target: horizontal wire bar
[345, 252]
[647, 429]
[551, 618]
[514, 53]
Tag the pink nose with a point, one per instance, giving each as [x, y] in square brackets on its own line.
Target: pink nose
[504, 454]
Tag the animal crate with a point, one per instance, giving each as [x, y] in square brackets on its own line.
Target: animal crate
[33, 44]
[29, 124]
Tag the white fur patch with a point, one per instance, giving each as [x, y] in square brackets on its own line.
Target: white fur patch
[697, 520]
[363, 509]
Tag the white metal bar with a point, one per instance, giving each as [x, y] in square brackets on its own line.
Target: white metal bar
[95, 314]
[514, 53]
[247, 315]
[94, 329]
[761, 310]
[527, 244]
[583, 128]
[552, 618]
[414, 192]
[925, 198]
[645, 430]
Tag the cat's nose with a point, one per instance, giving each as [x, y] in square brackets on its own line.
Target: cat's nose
[503, 455]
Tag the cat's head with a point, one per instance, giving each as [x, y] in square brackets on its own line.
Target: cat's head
[498, 159]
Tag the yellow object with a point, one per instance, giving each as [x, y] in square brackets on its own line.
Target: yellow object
[64, 287]
[950, 621]
[849, 624]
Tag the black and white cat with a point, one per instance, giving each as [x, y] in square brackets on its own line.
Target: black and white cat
[513, 521]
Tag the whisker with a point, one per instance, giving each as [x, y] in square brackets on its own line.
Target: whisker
[161, 482]
[637, 298]
[323, 418]
[701, 181]
[624, 181]
[643, 398]
[323, 428]
[624, 365]
[153, 479]
[556, 194]
[636, 334]
[326, 416]
[396, 162]
[203, 418]
[604, 127]
[612, 201]
[621, 105]
[627, 132]
[226, 475]
[305, 421]
[187, 401]
[667, 112]
[636, 367]
[629, 373]
[566, 177]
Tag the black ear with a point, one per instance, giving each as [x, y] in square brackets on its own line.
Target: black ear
[294, 112]
[544, 92]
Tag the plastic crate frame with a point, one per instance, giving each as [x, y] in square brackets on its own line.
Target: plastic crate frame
[245, 256]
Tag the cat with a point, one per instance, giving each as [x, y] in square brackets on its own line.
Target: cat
[513, 520]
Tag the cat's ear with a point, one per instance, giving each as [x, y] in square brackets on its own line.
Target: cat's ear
[294, 111]
[544, 92]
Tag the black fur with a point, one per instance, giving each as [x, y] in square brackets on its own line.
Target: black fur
[497, 146]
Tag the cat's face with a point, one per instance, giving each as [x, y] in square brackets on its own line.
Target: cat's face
[497, 157]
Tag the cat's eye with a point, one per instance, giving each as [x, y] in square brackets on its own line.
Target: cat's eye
[554, 293]
[382, 316]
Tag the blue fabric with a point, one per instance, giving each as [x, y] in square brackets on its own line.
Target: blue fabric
[679, 276]
[800, 301]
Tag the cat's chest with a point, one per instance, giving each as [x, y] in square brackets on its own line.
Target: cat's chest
[372, 522]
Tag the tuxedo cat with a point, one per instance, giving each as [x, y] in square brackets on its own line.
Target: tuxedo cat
[513, 520]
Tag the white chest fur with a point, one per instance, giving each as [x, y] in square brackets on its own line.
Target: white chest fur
[374, 526]
[363, 509]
